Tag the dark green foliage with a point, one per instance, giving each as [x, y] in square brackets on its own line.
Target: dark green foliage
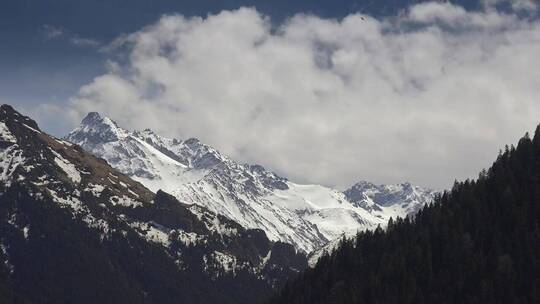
[478, 243]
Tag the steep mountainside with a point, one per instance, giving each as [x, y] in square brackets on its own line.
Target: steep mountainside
[478, 243]
[307, 216]
[75, 230]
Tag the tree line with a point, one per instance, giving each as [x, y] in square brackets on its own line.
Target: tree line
[476, 243]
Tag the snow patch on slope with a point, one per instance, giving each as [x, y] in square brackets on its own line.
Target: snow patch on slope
[68, 168]
[5, 134]
[10, 159]
[124, 201]
[152, 233]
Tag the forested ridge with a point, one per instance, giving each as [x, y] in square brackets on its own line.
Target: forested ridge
[477, 243]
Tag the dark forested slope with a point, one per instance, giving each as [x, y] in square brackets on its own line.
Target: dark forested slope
[478, 243]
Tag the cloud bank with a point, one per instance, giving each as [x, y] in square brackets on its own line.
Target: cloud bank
[428, 96]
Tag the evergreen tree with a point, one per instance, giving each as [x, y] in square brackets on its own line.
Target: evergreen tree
[477, 243]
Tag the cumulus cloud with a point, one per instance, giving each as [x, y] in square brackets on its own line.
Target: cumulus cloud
[84, 42]
[427, 96]
[51, 32]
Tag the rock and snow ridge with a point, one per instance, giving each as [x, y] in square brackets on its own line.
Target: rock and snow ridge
[307, 216]
[42, 174]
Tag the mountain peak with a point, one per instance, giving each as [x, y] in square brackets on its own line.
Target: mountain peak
[362, 185]
[95, 129]
[9, 115]
[192, 141]
[407, 186]
[95, 119]
[91, 117]
[6, 108]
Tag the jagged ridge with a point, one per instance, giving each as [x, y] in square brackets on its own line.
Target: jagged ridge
[307, 216]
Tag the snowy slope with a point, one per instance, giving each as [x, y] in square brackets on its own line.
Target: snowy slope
[307, 216]
[58, 200]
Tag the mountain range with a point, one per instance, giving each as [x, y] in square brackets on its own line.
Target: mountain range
[304, 215]
[115, 216]
[75, 230]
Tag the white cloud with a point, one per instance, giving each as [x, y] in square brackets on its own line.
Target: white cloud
[524, 5]
[84, 42]
[52, 32]
[516, 5]
[428, 96]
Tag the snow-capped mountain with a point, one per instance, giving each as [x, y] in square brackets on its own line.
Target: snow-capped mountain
[75, 230]
[394, 200]
[307, 216]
